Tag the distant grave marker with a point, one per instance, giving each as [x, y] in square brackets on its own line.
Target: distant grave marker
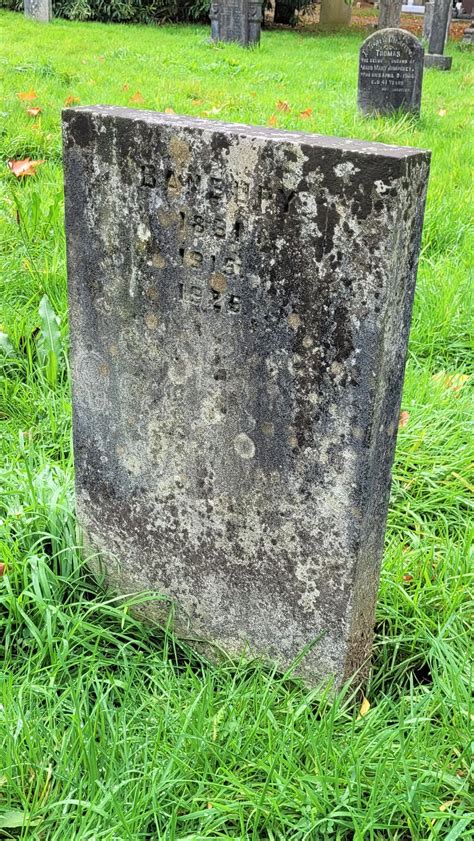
[40, 10]
[439, 25]
[390, 72]
[240, 301]
[236, 20]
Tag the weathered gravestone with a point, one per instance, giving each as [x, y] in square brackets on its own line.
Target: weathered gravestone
[236, 20]
[428, 20]
[40, 10]
[240, 302]
[390, 72]
[439, 25]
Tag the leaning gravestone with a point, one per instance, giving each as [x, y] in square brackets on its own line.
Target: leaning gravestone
[390, 72]
[439, 25]
[236, 20]
[240, 301]
[40, 10]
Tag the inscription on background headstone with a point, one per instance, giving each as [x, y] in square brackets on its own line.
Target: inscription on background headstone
[240, 301]
[40, 10]
[439, 27]
[390, 72]
[236, 20]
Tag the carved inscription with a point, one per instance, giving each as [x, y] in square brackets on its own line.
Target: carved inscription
[388, 68]
[390, 72]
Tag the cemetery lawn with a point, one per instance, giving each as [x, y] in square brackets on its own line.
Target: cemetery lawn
[110, 731]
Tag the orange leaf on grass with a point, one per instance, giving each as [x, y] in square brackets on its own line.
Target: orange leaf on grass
[283, 105]
[3, 568]
[72, 100]
[455, 381]
[137, 97]
[26, 96]
[408, 577]
[403, 419]
[125, 87]
[197, 102]
[24, 167]
[33, 112]
[272, 121]
[306, 113]
[170, 111]
[364, 708]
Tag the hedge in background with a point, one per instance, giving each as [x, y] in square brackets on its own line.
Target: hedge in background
[138, 11]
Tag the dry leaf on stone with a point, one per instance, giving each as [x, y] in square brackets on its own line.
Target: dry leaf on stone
[26, 96]
[403, 419]
[24, 167]
[364, 708]
[72, 100]
[282, 105]
[306, 113]
[33, 112]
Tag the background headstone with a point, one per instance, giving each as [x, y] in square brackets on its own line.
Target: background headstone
[468, 35]
[428, 20]
[240, 302]
[439, 24]
[334, 13]
[236, 20]
[40, 10]
[389, 14]
[390, 72]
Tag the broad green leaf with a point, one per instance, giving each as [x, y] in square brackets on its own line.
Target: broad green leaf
[6, 346]
[49, 341]
[13, 819]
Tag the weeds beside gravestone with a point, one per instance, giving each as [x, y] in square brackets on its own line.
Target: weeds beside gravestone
[236, 20]
[240, 301]
[390, 72]
[40, 10]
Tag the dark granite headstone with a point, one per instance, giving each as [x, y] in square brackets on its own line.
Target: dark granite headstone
[40, 10]
[434, 57]
[390, 72]
[240, 301]
[236, 20]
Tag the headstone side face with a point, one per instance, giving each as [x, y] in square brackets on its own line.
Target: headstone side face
[390, 72]
[240, 302]
[236, 21]
[40, 10]
[427, 21]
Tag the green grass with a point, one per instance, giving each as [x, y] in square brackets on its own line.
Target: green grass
[110, 731]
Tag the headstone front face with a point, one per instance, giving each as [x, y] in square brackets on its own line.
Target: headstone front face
[40, 10]
[236, 20]
[439, 26]
[390, 72]
[240, 301]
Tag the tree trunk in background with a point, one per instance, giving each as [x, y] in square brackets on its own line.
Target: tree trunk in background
[389, 14]
[284, 12]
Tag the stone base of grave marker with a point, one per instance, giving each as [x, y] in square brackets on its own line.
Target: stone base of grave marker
[40, 10]
[441, 62]
[468, 36]
[240, 301]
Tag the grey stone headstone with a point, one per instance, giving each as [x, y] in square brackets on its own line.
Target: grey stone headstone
[390, 72]
[468, 35]
[40, 10]
[434, 57]
[236, 20]
[427, 21]
[240, 302]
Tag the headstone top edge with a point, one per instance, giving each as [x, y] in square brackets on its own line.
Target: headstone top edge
[369, 148]
[393, 29]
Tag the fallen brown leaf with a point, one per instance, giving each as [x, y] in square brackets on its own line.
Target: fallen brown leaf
[272, 121]
[33, 112]
[403, 419]
[137, 97]
[306, 113]
[364, 708]
[197, 102]
[125, 87]
[283, 105]
[455, 382]
[72, 100]
[24, 167]
[26, 96]
[408, 577]
[2, 569]
[170, 111]
[446, 805]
